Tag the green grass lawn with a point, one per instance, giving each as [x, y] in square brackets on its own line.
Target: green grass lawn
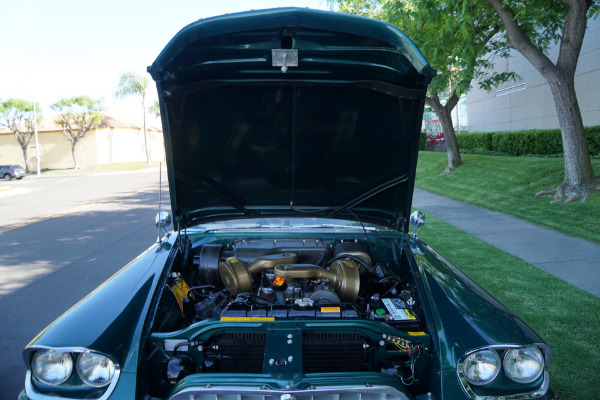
[567, 317]
[509, 185]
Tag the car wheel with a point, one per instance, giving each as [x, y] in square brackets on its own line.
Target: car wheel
[19, 178]
[7, 177]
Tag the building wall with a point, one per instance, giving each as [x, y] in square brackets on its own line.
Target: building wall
[55, 151]
[10, 151]
[125, 145]
[528, 103]
[100, 146]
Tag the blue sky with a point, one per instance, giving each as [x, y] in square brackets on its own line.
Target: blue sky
[55, 49]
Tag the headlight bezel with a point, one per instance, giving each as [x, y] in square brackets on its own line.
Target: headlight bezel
[514, 390]
[35, 388]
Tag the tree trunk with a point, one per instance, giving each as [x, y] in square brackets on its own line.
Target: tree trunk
[578, 167]
[24, 143]
[454, 160]
[74, 153]
[445, 117]
[579, 176]
[25, 159]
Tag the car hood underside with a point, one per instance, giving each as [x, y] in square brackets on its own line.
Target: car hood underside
[291, 111]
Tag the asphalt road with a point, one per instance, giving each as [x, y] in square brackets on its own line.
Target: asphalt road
[61, 237]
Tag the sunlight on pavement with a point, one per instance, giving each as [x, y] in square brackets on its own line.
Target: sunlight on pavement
[74, 210]
[13, 279]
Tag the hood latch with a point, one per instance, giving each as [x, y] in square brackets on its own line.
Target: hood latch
[284, 58]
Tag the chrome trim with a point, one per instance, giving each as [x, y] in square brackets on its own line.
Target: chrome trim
[256, 393]
[417, 219]
[162, 222]
[518, 396]
[34, 395]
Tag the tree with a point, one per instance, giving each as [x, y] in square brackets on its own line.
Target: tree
[155, 109]
[77, 116]
[134, 84]
[18, 116]
[530, 30]
[460, 46]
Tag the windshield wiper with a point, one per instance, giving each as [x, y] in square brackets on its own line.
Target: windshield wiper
[261, 226]
[337, 226]
[244, 227]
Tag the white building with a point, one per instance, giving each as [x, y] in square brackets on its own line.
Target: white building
[112, 142]
[528, 103]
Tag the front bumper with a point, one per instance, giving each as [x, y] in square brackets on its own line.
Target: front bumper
[355, 392]
[328, 386]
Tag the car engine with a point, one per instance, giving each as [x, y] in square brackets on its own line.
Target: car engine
[226, 303]
[290, 278]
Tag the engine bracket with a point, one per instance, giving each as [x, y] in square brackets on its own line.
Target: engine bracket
[283, 353]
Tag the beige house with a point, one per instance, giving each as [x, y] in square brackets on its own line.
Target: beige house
[113, 141]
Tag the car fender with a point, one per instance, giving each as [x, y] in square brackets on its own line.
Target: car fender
[461, 315]
[114, 313]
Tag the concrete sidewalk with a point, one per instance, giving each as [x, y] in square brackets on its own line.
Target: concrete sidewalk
[574, 260]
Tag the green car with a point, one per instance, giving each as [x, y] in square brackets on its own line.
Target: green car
[291, 272]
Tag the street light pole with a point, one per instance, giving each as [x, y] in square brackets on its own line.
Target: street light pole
[37, 144]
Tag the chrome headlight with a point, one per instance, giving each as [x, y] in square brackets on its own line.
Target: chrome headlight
[524, 365]
[95, 369]
[52, 367]
[481, 367]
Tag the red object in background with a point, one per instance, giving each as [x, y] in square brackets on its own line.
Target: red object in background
[435, 138]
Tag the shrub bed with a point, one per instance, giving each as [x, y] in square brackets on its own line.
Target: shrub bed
[423, 141]
[522, 143]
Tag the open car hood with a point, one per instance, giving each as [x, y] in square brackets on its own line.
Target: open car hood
[290, 112]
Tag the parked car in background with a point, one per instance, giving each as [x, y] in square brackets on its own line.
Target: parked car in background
[291, 139]
[8, 172]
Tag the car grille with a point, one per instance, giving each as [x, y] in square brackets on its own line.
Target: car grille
[321, 352]
[241, 352]
[332, 352]
[323, 393]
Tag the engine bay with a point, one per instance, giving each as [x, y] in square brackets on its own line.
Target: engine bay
[352, 301]
[288, 278]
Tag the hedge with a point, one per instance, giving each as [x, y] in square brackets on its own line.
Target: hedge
[423, 141]
[521, 143]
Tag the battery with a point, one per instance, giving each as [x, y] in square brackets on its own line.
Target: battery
[398, 310]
